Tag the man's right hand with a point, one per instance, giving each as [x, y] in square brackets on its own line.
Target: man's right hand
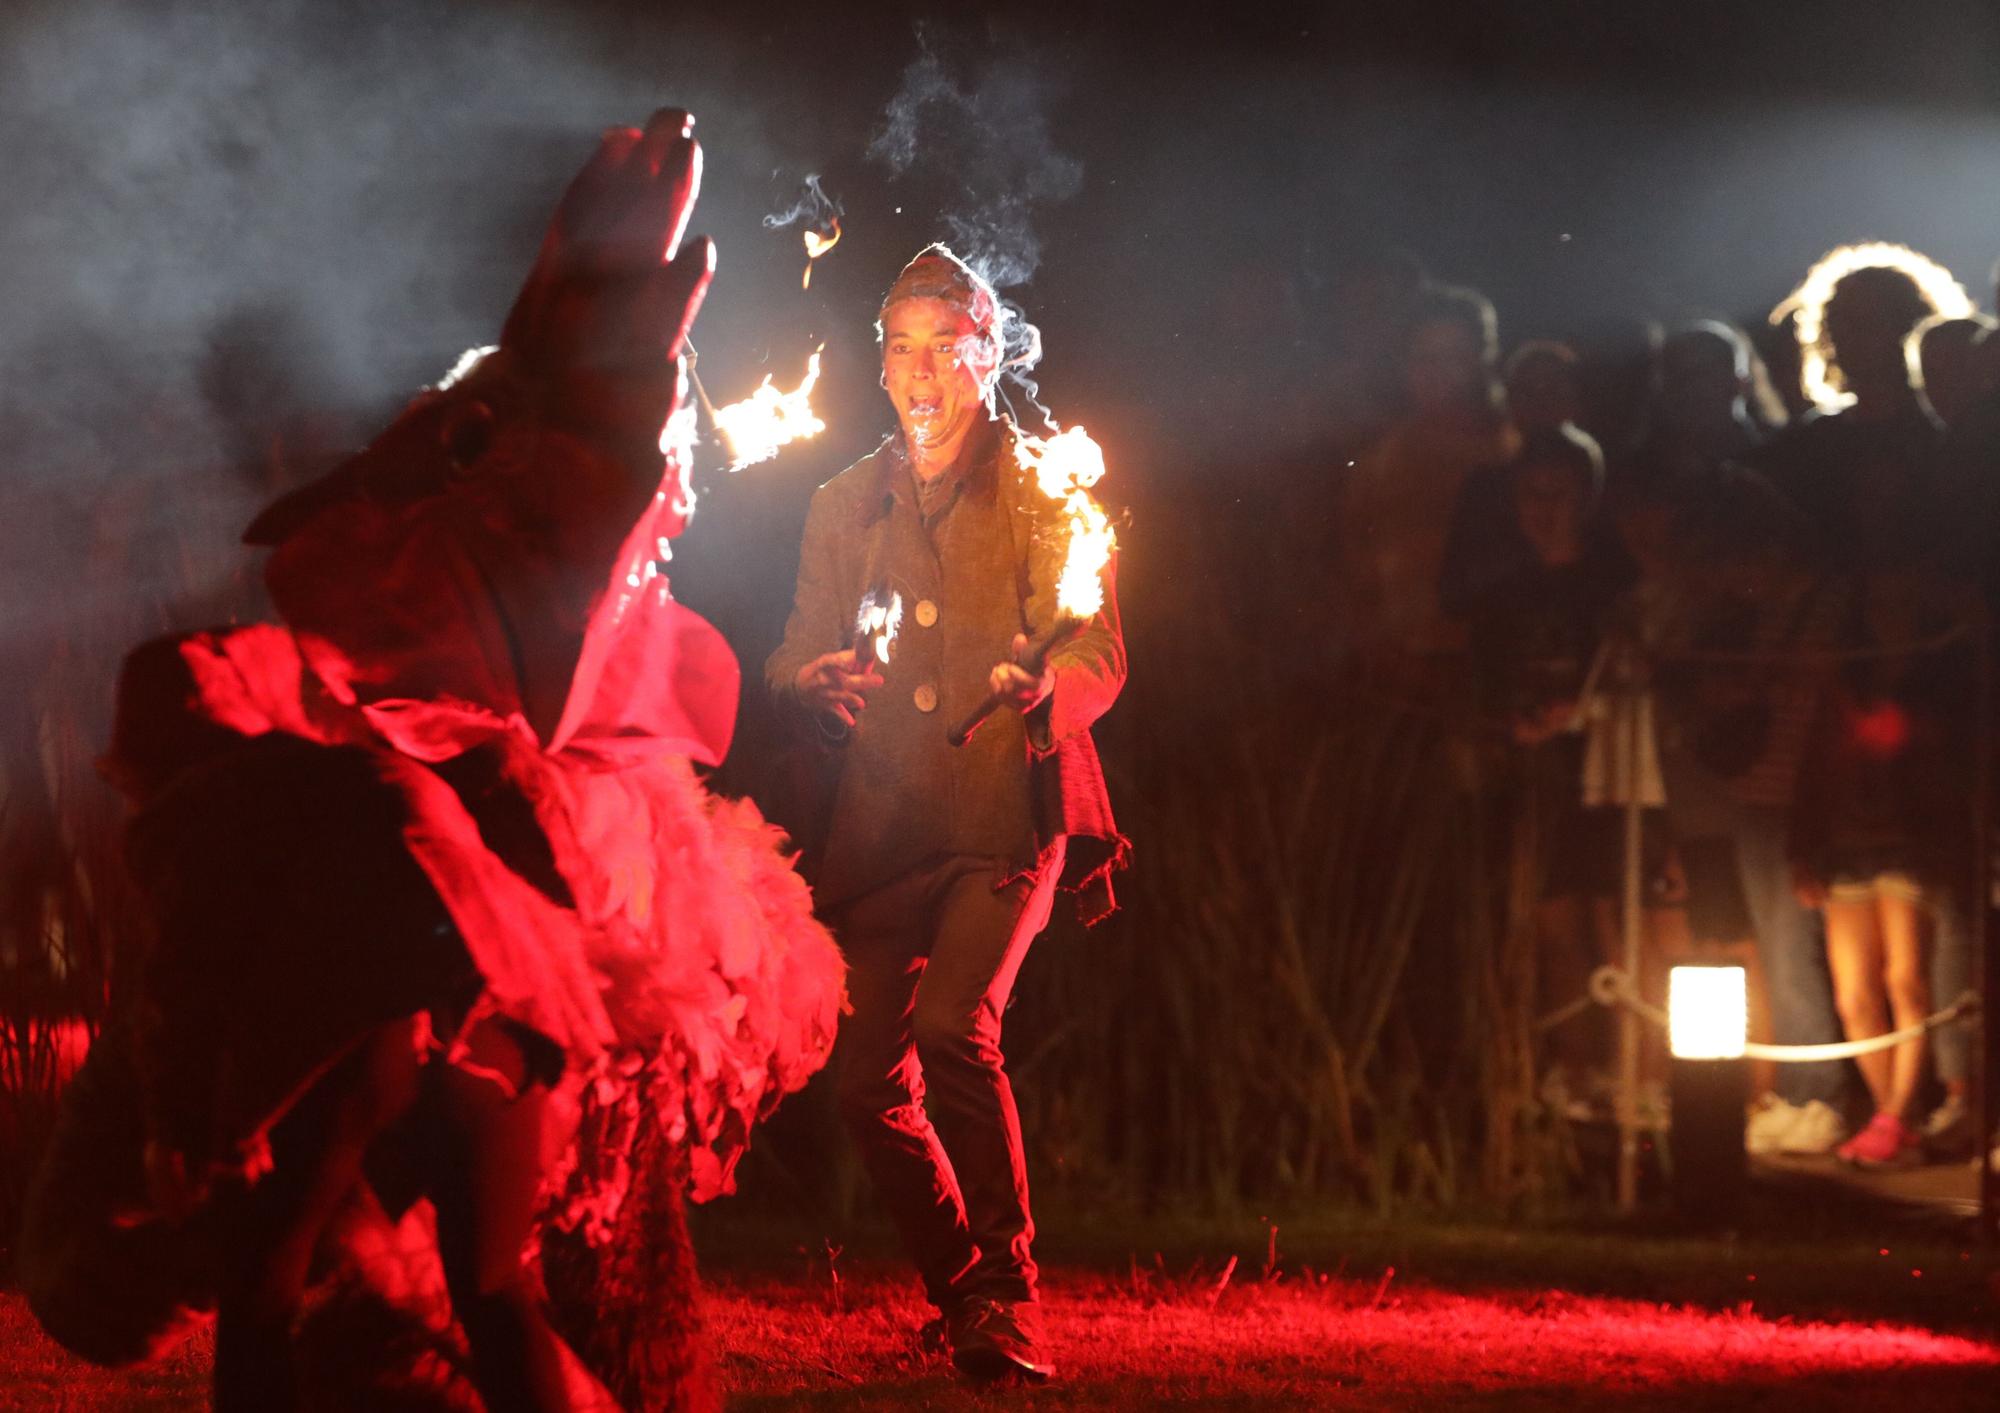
[833, 683]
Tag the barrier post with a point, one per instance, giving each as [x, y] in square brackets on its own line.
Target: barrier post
[1627, 705]
[1708, 1076]
[1983, 934]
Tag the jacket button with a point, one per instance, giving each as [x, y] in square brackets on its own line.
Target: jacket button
[926, 697]
[926, 613]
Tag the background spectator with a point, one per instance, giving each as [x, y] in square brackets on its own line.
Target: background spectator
[1398, 501]
[1950, 365]
[1542, 392]
[1618, 377]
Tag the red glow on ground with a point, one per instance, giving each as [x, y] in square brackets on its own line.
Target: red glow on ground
[1369, 1342]
[1227, 1338]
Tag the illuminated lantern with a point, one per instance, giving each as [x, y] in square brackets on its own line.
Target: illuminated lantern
[1708, 1013]
[1708, 1085]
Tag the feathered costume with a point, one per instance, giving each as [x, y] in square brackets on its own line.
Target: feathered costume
[457, 783]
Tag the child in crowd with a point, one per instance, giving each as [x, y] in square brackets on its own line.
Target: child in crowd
[1531, 568]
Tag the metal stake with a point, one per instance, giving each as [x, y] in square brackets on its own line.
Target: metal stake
[1628, 1018]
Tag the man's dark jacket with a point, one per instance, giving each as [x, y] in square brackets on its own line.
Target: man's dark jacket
[975, 570]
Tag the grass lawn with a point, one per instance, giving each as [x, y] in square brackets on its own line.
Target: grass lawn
[37, 1375]
[1339, 1343]
[1348, 1315]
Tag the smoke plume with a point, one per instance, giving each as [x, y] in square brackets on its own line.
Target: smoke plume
[987, 137]
[814, 207]
[236, 238]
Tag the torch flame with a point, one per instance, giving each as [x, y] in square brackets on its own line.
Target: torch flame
[1066, 466]
[876, 624]
[816, 246]
[755, 428]
[1940, 290]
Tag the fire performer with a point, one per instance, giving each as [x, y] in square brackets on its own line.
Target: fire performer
[437, 904]
[941, 861]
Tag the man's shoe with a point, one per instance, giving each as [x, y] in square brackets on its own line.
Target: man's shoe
[1770, 1124]
[999, 1339]
[1817, 1128]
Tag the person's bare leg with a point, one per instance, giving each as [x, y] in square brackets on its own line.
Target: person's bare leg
[485, 1190]
[1907, 979]
[317, 1152]
[1854, 954]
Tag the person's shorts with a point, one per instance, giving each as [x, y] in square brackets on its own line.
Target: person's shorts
[1866, 888]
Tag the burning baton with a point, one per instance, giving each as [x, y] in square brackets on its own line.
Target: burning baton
[759, 426]
[1066, 466]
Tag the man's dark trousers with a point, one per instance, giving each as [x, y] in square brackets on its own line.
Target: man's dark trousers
[932, 958]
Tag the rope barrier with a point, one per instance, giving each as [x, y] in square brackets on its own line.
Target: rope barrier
[1610, 986]
[1563, 1014]
[1472, 720]
[1818, 657]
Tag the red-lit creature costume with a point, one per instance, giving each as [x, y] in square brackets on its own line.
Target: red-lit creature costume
[439, 833]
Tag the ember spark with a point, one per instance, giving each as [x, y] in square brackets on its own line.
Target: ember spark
[816, 246]
[875, 626]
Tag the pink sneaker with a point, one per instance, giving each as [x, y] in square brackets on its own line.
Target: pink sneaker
[1887, 1142]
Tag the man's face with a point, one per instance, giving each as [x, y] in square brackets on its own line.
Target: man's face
[935, 365]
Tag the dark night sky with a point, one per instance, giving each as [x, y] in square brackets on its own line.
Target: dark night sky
[223, 217]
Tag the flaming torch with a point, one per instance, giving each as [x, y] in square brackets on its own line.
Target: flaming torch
[755, 428]
[1066, 466]
[816, 246]
[875, 628]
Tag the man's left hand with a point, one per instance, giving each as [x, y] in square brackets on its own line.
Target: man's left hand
[1017, 686]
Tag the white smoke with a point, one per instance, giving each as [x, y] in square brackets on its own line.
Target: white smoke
[230, 229]
[814, 207]
[988, 137]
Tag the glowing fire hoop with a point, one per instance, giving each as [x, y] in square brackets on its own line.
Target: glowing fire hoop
[1940, 289]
